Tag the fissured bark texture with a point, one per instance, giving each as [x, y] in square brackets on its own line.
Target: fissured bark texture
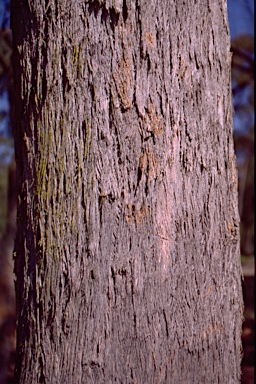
[127, 250]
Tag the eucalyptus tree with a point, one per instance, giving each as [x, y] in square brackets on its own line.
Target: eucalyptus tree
[127, 248]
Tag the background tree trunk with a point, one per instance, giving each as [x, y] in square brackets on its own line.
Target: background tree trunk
[127, 253]
[7, 293]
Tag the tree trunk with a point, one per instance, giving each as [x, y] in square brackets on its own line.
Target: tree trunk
[7, 293]
[127, 253]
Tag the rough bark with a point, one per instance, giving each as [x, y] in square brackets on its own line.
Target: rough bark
[127, 253]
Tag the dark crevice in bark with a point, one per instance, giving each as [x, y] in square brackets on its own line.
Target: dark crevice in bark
[65, 82]
[94, 7]
[196, 62]
[110, 14]
[139, 26]
[139, 176]
[125, 11]
[148, 63]
[42, 378]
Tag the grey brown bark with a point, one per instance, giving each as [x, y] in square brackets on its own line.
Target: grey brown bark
[127, 253]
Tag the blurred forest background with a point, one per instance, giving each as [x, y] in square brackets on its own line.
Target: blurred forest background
[241, 19]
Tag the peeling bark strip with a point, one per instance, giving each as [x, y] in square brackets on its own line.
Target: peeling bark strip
[127, 250]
